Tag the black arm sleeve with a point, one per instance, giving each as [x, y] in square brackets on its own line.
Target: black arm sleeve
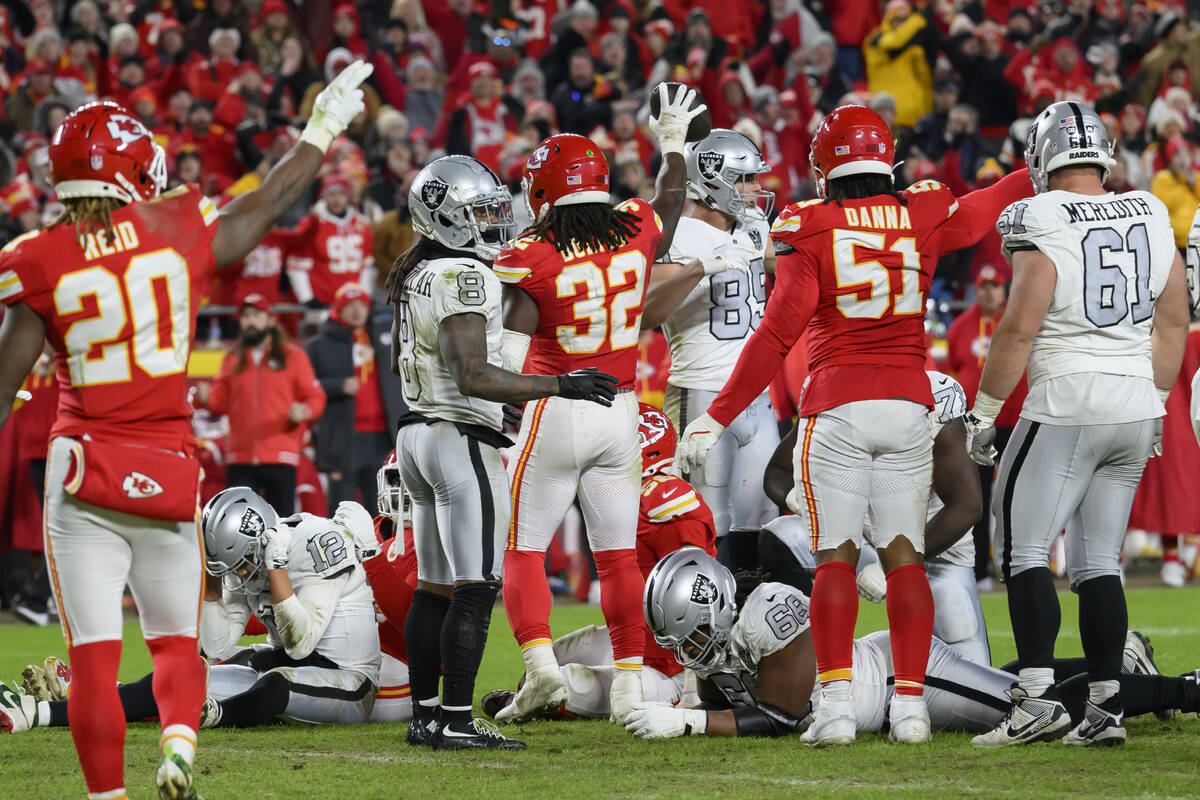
[764, 719]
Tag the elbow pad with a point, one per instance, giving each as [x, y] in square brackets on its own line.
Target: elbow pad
[763, 719]
[294, 622]
[514, 347]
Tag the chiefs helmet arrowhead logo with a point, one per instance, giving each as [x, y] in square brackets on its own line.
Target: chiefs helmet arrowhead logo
[139, 487]
[538, 157]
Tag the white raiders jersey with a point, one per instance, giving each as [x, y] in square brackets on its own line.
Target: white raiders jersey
[706, 333]
[949, 403]
[1112, 253]
[322, 551]
[436, 289]
[771, 618]
[1192, 262]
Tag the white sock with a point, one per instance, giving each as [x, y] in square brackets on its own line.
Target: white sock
[42, 717]
[1099, 691]
[539, 656]
[1036, 680]
[836, 691]
[179, 740]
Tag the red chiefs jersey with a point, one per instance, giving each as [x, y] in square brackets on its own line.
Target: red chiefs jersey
[856, 274]
[590, 304]
[121, 317]
[671, 515]
[393, 577]
[260, 270]
[334, 250]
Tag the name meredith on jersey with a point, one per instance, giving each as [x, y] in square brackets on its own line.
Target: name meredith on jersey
[1117, 208]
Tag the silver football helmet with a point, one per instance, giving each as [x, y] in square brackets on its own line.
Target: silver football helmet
[690, 608]
[717, 167]
[231, 523]
[461, 204]
[1066, 134]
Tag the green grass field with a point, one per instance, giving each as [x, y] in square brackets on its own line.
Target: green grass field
[595, 759]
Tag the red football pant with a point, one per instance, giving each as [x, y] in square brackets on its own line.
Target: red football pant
[833, 612]
[97, 718]
[180, 680]
[526, 595]
[910, 620]
[621, 586]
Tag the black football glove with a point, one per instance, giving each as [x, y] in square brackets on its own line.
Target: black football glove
[588, 384]
[513, 414]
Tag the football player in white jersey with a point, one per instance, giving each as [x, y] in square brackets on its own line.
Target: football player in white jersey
[707, 311]
[446, 342]
[1098, 316]
[750, 645]
[955, 505]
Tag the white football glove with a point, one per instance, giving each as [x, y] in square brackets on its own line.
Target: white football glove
[674, 116]
[24, 395]
[872, 583]
[730, 255]
[275, 543]
[357, 520]
[337, 104]
[665, 721]
[698, 438]
[981, 428]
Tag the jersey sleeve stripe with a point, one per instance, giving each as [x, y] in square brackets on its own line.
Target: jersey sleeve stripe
[208, 211]
[680, 505]
[809, 500]
[511, 274]
[10, 284]
[519, 472]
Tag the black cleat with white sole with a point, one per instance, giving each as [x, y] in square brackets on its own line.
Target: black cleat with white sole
[474, 735]
[1138, 659]
[1030, 719]
[420, 732]
[1103, 725]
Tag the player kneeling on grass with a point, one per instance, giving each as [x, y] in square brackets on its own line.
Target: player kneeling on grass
[671, 515]
[750, 645]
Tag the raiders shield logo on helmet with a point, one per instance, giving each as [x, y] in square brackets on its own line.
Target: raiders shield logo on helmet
[704, 591]
[710, 164]
[252, 523]
[756, 238]
[433, 193]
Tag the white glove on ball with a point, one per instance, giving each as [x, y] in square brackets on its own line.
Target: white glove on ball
[665, 721]
[674, 116]
[337, 104]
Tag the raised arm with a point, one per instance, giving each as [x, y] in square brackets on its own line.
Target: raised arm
[22, 336]
[670, 129]
[245, 221]
[978, 211]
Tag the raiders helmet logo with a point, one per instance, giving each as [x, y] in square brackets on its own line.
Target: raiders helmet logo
[138, 486]
[433, 193]
[252, 523]
[710, 164]
[704, 591]
[756, 238]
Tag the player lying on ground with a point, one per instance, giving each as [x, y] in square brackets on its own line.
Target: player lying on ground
[671, 515]
[114, 284]
[750, 645]
[954, 506]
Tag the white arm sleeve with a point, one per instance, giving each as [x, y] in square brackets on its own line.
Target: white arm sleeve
[302, 618]
[513, 349]
[301, 284]
[222, 624]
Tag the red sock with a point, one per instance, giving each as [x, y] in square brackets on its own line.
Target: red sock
[621, 586]
[527, 595]
[910, 620]
[97, 718]
[180, 680]
[833, 612]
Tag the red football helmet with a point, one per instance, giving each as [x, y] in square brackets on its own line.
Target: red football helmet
[565, 169]
[657, 438]
[102, 150]
[851, 140]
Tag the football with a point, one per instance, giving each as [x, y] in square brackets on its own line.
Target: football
[700, 126]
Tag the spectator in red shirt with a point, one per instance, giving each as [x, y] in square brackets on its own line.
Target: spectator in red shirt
[628, 139]
[968, 342]
[267, 388]
[351, 356]
[332, 247]
[216, 145]
[482, 122]
[347, 30]
[207, 79]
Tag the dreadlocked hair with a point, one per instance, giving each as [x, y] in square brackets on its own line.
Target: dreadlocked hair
[747, 580]
[587, 227]
[91, 215]
[406, 262]
[858, 187]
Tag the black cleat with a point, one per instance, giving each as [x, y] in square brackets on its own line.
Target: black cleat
[421, 732]
[492, 702]
[1138, 659]
[474, 735]
[1103, 725]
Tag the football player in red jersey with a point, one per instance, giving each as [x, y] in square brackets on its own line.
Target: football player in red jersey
[115, 285]
[671, 515]
[854, 269]
[576, 285]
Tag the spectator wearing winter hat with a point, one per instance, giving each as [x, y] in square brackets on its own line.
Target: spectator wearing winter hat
[85, 67]
[826, 84]
[333, 246]
[347, 30]
[208, 79]
[897, 62]
[338, 59]
[172, 50]
[582, 25]
[423, 101]
[977, 53]
[583, 102]
[274, 25]
[50, 113]
[244, 97]
[480, 125]
[267, 388]
[216, 145]
[1177, 187]
[221, 14]
[37, 85]
[364, 398]
[391, 62]
[1178, 41]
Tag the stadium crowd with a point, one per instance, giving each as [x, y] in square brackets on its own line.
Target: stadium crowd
[225, 85]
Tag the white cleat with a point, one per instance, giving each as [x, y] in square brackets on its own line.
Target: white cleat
[908, 720]
[1030, 719]
[51, 681]
[626, 691]
[834, 724]
[1174, 574]
[542, 691]
[18, 712]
